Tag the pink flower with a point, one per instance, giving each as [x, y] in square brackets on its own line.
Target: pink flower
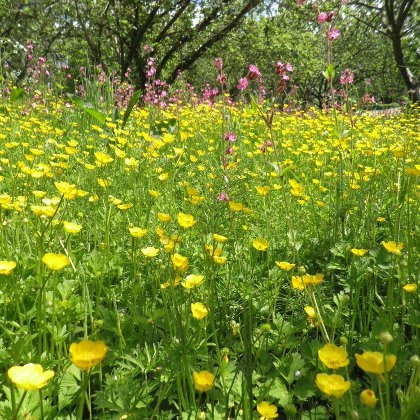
[218, 62]
[347, 77]
[254, 72]
[223, 197]
[289, 67]
[300, 3]
[230, 137]
[243, 83]
[322, 17]
[333, 33]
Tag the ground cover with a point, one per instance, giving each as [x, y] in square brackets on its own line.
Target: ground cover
[208, 261]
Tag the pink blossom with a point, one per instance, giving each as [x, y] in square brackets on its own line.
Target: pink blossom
[347, 77]
[322, 17]
[254, 72]
[229, 150]
[223, 197]
[243, 83]
[289, 67]
[333, 33]
[218, 62]
[230, 137]
[300, 3]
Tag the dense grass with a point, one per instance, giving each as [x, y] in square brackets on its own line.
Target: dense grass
[309, 189]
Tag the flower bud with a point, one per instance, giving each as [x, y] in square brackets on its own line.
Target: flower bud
[385, 337]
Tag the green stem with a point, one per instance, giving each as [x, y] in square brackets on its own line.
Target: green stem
[15, 414]
[336, 407]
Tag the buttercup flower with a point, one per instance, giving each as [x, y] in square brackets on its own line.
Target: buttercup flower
[410, 288]
[374, 362]
[150, 251]
[332, 385]
[55, 261]
[137, 232]
[199, 311]
[284, 265]
[260, 244]
[203, 381]
[192, 281]
[368, 398]
[333, 357]
[29, 376]
[219, 238]
[359, 252]
[267, 410]
[87, 354]
[179, 263]
[6, 267]
[186, 220]
[72, 228]
[68, 190]
[163, 217]
[393, 247]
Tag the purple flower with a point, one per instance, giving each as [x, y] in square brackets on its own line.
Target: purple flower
[243, 83]
[333, 33]
[254, 72]
[322, 17]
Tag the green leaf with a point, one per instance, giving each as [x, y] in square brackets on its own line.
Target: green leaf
[134, 99]
[279, 392]
[16, 94]
[99, 116]
[329, 72]
[305, 387]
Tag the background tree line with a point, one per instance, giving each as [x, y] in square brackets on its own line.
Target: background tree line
[378, 40]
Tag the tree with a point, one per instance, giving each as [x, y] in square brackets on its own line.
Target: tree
[398, 21]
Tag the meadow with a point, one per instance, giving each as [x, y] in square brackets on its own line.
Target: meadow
[207, 261]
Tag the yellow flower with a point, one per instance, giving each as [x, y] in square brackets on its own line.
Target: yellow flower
[199, 311]
[192, 281]
[29, 376]
[6, 267]
[87, 354]
[104, 182]
[368, 398]
[333, 357]
[219, 238]
[203, 381]
[267, 410]
[72, 228]
[219, 259]
[137, 232]
[309, 280]
[179, 263]
[150, 251]
[332, 385]
[359, 252]
[186, 220]
[154, 193]
[310, 311]
[297, 283]
[410, 288]
[374, 362]
[235, 206]
[55, 261]
[163, 217]
[68, 190]
[285, 265]
[393, 247]
[102, 158]
[260, 244]
[263, 190]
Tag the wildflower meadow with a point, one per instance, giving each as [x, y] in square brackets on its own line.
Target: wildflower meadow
[171, 253]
